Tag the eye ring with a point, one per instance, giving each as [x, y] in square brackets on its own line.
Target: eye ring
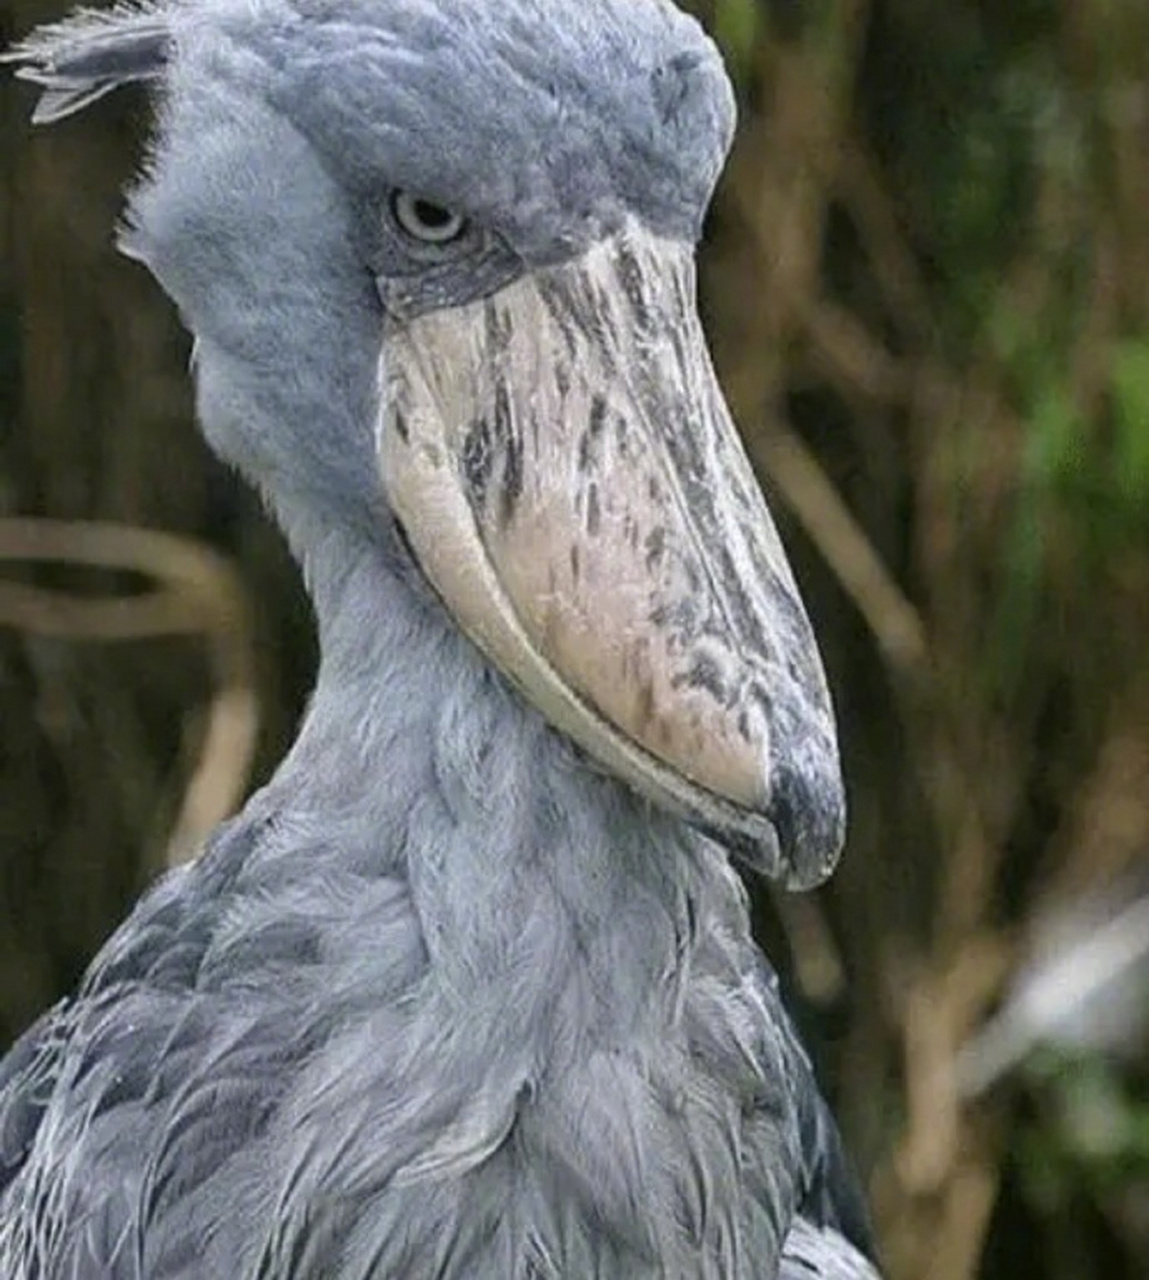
[426, 221]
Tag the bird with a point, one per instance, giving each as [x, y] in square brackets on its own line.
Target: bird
[468, 988]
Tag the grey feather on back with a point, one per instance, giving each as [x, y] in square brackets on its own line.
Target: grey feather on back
[78, 61]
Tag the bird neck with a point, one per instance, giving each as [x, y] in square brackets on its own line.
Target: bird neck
[416, 755]
[574, 966]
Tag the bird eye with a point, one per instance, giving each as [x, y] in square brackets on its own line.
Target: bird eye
[426, 221]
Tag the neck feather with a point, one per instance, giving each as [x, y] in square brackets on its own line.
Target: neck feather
[554, 958]
[421, 757]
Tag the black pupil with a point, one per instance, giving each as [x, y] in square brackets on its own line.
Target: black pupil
[433, 216]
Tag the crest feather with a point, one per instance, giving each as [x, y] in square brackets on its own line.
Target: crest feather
[78, 60]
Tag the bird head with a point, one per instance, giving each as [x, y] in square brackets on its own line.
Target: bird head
[438, 261]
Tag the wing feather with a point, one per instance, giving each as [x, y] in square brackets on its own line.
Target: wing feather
[822, 1253]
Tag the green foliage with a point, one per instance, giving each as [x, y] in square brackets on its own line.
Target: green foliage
[1090, 1135]
[1130, 394]
[737, 26]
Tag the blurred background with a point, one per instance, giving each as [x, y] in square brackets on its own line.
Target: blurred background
[926, 280]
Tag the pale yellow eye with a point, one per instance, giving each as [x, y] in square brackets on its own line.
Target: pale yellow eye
[426, 221]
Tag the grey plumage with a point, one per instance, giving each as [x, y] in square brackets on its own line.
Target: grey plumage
[90, 55]
[444, 1000]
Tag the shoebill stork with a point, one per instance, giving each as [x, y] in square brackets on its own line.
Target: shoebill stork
[468, 989]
